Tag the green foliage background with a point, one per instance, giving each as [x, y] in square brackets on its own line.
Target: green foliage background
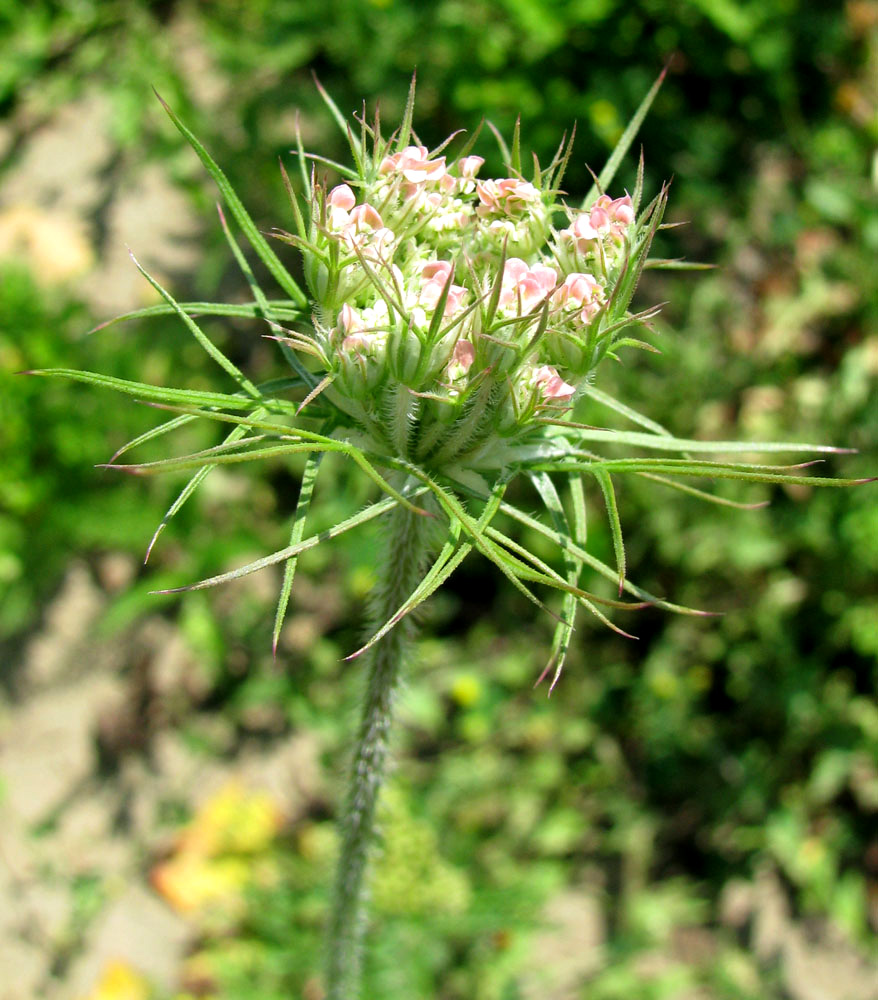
[661, 769]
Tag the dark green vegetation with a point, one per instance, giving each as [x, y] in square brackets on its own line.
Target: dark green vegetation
[661, 769]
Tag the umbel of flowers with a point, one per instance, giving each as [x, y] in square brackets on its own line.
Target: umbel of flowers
[454, 312]
[450, 324]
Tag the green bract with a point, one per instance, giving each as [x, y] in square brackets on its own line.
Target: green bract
[450, 323]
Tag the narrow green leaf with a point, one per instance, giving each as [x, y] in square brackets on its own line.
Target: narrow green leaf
[303, 170]
[515, 152]
[662, 440]
[706, 470]
[164, 394]
[469, 145]
[501, 142]
[606, 176]
[306, 490]
[373, 511]
[257, 240]
[357, 152]
[187, 491]
[638, 184]
[580, 523]
[455, 512]
[321, 443]
[281, 308]
[546, 575]
[606, 485]
[675, 264]
[259, 295]
[594, 563]
[225, 363]
[234, 453]
[340, 168]
[450, 557]
[564, 629]
[165, 428]
[294, 201]
[703, 494]
[405, 129]
[626, 411]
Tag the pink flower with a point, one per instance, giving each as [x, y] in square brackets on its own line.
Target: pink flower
[509, 196]
[525, 287]
[364, 225]
[339, 202]
[361, 335]
[349, 319]
[342, 197]
[435, 274]
[616, 215]
[414, 164]
[461, 361]
[365, 217]
[436, 269]
[550, 383]
[607, 217]
[469, 166]
[580, 291]
[582, 234]
[353, 326]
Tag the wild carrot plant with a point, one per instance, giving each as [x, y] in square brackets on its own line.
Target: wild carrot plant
[448, 326]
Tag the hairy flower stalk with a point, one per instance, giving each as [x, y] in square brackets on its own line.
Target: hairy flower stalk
[399, 575]
[450, 324]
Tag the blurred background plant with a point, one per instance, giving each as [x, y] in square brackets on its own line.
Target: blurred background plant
[671, 787]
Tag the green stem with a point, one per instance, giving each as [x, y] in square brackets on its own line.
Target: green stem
[400, 574]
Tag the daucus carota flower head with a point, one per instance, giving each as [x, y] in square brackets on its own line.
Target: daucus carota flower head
[416, 253]
[450, 324]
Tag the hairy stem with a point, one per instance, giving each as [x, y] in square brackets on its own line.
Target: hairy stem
[403, 556]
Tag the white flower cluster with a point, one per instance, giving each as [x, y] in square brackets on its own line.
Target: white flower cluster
[428, 277]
